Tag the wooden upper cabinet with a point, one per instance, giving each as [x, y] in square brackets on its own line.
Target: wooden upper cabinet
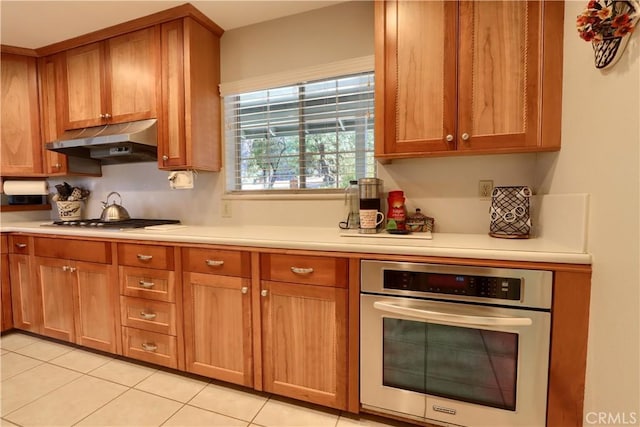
[190, 133]
[20, 142]
[113, 81]
[49, 69]
[457, 77]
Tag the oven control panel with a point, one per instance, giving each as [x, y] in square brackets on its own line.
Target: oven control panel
[508, 288]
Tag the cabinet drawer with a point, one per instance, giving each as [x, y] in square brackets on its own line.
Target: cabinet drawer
[216, 261]
[78, 250]
[148, 283]
[311, 270]
[154, 316]
[150, 347]
[148, 256]
[19, 245]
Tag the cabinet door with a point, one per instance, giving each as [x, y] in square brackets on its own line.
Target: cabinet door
[498, 70]
[24, 294]
[190, 132]
[133, 72]
[84, 86]
[20, 136]
[96, 307]
[171, 140]
[56, 282]
[49, 71]
[6, 319]
[415, 76]
[305, 342]
[217, 312]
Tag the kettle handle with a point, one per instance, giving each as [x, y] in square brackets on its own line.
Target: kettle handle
[111, 194]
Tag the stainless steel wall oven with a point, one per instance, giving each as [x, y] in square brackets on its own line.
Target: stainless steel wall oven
[455, 344]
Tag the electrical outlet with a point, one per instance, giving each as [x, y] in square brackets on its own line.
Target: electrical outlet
[226, 209]
[485, 188]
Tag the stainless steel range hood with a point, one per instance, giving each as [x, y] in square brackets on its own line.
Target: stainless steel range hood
[118, 143]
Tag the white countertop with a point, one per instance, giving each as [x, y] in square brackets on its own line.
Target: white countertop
[330, 239]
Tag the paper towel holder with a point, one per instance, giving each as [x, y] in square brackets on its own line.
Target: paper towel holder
[180, 180]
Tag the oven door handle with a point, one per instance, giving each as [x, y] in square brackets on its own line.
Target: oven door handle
[461, 319]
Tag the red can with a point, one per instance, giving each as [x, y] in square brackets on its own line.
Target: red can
[396, 208]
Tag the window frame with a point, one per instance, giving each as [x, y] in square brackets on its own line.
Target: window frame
[299, 78]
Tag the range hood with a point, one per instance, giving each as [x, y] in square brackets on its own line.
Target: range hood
[111, 144]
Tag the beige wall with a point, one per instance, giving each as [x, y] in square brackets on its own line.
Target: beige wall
[322, 36]
[600, 155]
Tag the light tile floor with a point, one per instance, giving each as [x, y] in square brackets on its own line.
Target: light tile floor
[46, 383]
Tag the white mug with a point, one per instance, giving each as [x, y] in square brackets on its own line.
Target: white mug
[370, 218]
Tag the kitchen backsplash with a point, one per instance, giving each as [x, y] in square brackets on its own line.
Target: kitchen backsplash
[443, 188]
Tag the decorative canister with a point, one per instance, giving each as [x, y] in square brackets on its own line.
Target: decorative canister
[418, 222]
[69, 211]
[509, 212]
[396, 209]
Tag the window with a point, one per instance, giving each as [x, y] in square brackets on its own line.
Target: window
[310, 136]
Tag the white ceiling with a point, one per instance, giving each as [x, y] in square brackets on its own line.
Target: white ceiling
[34, 24]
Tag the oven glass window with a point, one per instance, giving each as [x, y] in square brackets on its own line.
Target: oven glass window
[471, 365]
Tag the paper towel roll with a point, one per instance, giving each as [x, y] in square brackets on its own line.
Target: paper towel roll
[25, 188]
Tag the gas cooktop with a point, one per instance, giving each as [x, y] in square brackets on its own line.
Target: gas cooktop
[117, 225]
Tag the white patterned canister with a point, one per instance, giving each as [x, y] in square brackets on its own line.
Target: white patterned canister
[509, 213]
[69, 211]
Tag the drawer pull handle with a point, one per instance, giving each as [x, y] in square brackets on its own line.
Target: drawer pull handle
[149, 347]
[147, 285]
[21, 245]
[301, 271]
[144, 257]
[244, 290]
[263, 292]
[214, 262]
[148, 316]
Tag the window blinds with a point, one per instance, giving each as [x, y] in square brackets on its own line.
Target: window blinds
[315, 135]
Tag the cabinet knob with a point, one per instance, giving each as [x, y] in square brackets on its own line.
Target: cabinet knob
[103, 116]
[72, 269]
[65, 268]
[165, 157]
[263, 292]
[107, 116]
[465, 136]
[449, 138]
[57, 166]
[244, 289]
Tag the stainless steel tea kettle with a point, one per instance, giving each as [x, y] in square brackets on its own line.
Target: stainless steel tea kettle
[113, 211]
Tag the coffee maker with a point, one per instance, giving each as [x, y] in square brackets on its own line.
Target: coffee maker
[370, 193]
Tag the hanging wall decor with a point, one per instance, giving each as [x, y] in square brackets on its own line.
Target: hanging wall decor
[608, 24]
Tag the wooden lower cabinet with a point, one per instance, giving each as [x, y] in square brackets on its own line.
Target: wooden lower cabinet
[55, 285]
[78, 302]
[24, 294]
[304, 341]
[217, 312]
[150, 304]
[151, 347]
[6, 316]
